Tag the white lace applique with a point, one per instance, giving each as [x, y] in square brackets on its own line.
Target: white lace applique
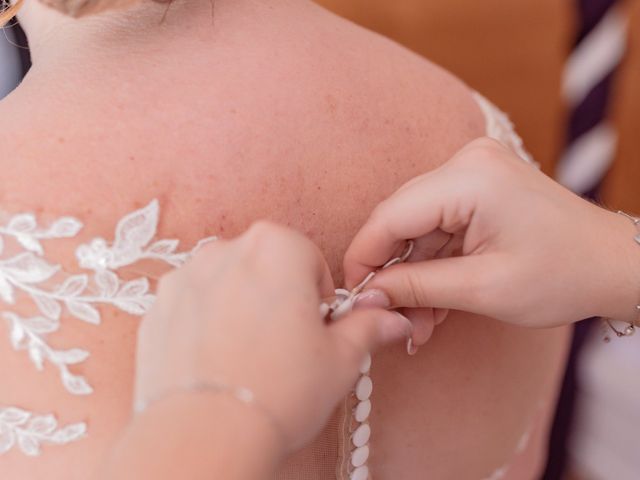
[499, 127]
[55, 293]
[29, 431]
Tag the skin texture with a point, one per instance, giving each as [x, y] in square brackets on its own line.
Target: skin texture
[280, 111]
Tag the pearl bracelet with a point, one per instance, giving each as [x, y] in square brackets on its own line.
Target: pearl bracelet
[631, 328]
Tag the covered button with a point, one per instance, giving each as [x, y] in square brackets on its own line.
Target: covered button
[360, 473]
[363, 409]
[360, 456]
[361, 435]
[364, 387]
[366, 365]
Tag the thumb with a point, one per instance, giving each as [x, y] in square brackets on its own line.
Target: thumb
[364, 331]
[455, 283]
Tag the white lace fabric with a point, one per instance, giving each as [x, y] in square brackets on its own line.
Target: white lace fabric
[499, 127]
[57, 298]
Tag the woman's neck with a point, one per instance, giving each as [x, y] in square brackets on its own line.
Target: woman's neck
[143, 32]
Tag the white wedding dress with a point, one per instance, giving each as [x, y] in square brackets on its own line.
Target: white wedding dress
[58, 297]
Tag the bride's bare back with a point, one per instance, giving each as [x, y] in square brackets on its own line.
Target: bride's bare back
[279, 111]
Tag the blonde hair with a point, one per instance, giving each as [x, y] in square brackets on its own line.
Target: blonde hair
[8, 11]
[72, 8]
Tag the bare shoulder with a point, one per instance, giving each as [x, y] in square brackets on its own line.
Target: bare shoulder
[386, 70]
[306, 99]
[340, 75]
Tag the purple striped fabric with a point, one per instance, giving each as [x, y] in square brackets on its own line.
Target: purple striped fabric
[590, 14]
[592, 110]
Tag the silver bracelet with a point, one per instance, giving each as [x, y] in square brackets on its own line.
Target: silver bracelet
[631, 328]
[241, 394]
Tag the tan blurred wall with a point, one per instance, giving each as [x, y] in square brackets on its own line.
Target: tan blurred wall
[622, 189]
[511, 51]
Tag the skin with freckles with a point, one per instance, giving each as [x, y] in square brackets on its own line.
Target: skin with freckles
[273, 110]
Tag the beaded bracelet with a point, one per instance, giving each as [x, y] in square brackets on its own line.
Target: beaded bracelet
[631, 328]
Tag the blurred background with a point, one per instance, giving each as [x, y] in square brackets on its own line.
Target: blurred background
[568, 74]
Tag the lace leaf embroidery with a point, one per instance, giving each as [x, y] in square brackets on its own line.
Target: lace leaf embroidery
[24, 229]
[53, 292]
[133, 234]
[499, 127]
[29, 334]
[29, 431]
[79, 294]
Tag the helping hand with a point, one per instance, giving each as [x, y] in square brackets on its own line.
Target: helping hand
[528, 251]
[246, 312]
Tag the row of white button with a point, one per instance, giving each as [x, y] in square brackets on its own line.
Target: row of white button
[362, 434]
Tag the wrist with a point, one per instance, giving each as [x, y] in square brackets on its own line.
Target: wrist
[240, 426]
[621, 269]
[198, 436]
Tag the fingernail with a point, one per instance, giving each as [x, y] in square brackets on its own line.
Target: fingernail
[372, 299]
[411, 348]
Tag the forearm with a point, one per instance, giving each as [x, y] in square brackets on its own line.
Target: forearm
[196, 436]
